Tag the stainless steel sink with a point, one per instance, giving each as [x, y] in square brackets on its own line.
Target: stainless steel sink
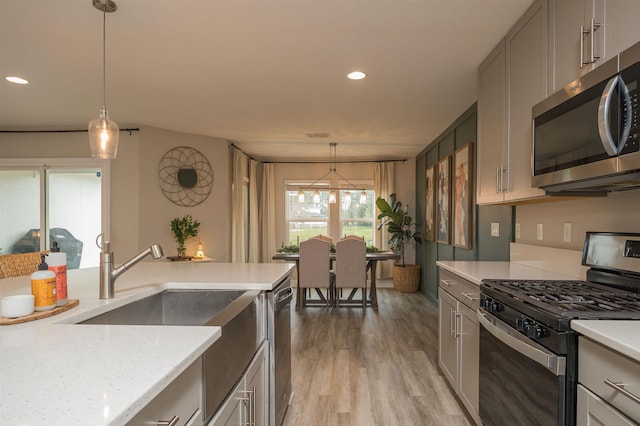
[171, 307]
[239, 313]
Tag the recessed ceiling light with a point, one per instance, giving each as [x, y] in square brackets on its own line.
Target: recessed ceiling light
[16, 80]
[356, 75]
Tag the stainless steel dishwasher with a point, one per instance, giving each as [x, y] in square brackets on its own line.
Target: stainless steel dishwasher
[279, 336]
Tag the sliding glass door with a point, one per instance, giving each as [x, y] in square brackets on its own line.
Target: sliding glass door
[66, 200]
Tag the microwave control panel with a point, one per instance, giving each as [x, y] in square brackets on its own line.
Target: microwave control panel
[631, 76]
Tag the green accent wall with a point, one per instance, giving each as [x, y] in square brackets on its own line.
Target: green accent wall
[484, 247]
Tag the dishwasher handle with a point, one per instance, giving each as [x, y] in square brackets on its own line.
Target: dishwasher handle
[282, 297]
[507, 335]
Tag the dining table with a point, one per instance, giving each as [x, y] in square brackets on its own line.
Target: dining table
[372, 260]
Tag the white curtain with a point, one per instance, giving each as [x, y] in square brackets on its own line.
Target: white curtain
[254, 231]
[384, 186]
[238, 238]
[267, 212]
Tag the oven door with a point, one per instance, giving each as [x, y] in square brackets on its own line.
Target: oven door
[521, 382]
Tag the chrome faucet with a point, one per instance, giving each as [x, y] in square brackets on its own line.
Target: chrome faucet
[108, 274]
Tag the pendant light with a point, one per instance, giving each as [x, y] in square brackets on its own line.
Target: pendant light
[104, 133]
[332, 191]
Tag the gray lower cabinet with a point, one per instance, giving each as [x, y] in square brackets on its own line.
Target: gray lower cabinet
[458, 338]
[248, 402]
[180, 402]
[609, 386]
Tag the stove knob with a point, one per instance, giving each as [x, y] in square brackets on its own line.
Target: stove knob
[496, 307]
[486, 302]
[521, 323]
[535, 331]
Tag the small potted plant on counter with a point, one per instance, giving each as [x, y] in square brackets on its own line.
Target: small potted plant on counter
[402, 230]
[183, 229]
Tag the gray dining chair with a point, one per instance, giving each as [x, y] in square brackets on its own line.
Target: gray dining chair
[315, 273]
[351, 271]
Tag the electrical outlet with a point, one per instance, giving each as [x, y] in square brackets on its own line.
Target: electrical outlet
[539, 232]
[517, 231]
[566, 235]
[495, 229]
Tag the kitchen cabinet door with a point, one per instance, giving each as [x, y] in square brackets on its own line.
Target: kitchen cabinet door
[469, 351]
[593, 411]
[447, 339]
[621, 29]
[526, 46]
[257, 380]
[565, 19]
[491, 149]
[233, 410]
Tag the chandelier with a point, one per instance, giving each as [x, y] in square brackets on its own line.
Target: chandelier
[316, 186]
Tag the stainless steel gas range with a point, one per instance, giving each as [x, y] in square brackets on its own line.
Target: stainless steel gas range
[528, 352]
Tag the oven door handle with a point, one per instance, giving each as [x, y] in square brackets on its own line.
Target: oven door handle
[513, 339]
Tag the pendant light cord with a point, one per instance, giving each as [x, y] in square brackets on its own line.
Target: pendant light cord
[104, 56]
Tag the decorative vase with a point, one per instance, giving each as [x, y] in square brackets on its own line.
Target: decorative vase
[182, 250]
[406, 279]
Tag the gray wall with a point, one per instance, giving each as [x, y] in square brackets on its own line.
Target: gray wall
[484, 247]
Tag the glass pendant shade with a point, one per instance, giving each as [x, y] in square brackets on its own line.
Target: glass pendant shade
[103, 136]
[301, 196]
[363, 197]
[332, 197]
[316, 197]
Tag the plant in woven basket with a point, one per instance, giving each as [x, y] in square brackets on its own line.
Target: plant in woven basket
[183, 229]
[400, 225]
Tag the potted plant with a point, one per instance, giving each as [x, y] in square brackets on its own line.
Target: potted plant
[402, 230]
[183, 229]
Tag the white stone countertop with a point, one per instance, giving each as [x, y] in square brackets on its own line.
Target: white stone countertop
[477, 271]
[54, 372]
[621, 336]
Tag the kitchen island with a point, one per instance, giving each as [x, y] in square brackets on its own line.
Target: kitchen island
[55, 372]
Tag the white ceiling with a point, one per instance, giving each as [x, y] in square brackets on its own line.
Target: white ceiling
[261, 73]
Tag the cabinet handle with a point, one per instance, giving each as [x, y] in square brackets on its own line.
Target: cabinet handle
[458, 321]
[470, 297]
[253, 405]
[620, 388]
[173, 422]
[582, 33]
[498, 175]
[445, 282]
[454, 323]
[594, 27]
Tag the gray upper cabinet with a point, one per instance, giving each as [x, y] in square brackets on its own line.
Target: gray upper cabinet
[510, 81]
[585, 33]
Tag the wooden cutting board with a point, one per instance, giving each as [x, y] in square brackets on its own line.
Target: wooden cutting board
[40, 314]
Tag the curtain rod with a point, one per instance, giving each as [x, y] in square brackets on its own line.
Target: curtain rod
[130, 130]
[245, 153]
[404, 160]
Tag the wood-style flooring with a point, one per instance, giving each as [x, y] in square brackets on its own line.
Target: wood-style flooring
[371, 368]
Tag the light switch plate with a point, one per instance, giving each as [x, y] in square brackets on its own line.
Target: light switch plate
[539, 232]
[495, 229]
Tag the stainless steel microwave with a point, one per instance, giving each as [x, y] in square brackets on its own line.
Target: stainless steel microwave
[586, 136]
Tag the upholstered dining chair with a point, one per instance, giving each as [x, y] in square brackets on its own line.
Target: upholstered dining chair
[351, 270]
[314, 273]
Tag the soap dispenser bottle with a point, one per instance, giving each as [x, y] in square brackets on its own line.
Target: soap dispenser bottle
[43, 287]
[58, 265]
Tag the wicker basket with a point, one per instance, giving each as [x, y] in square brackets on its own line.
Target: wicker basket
[16, 265]
[406, 279]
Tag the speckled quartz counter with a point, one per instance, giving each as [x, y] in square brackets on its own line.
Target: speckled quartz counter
[621, 336]
[475, 272]
[55, 372]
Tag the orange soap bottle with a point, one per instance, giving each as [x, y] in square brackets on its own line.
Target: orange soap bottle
[43, 287]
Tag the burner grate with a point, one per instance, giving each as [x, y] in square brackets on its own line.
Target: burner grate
[570, 298]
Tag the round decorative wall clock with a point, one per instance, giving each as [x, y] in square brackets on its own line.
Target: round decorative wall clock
[185, 176]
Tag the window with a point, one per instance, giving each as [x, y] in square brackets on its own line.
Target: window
[64, 197]
[312, 214]
[357, 217]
